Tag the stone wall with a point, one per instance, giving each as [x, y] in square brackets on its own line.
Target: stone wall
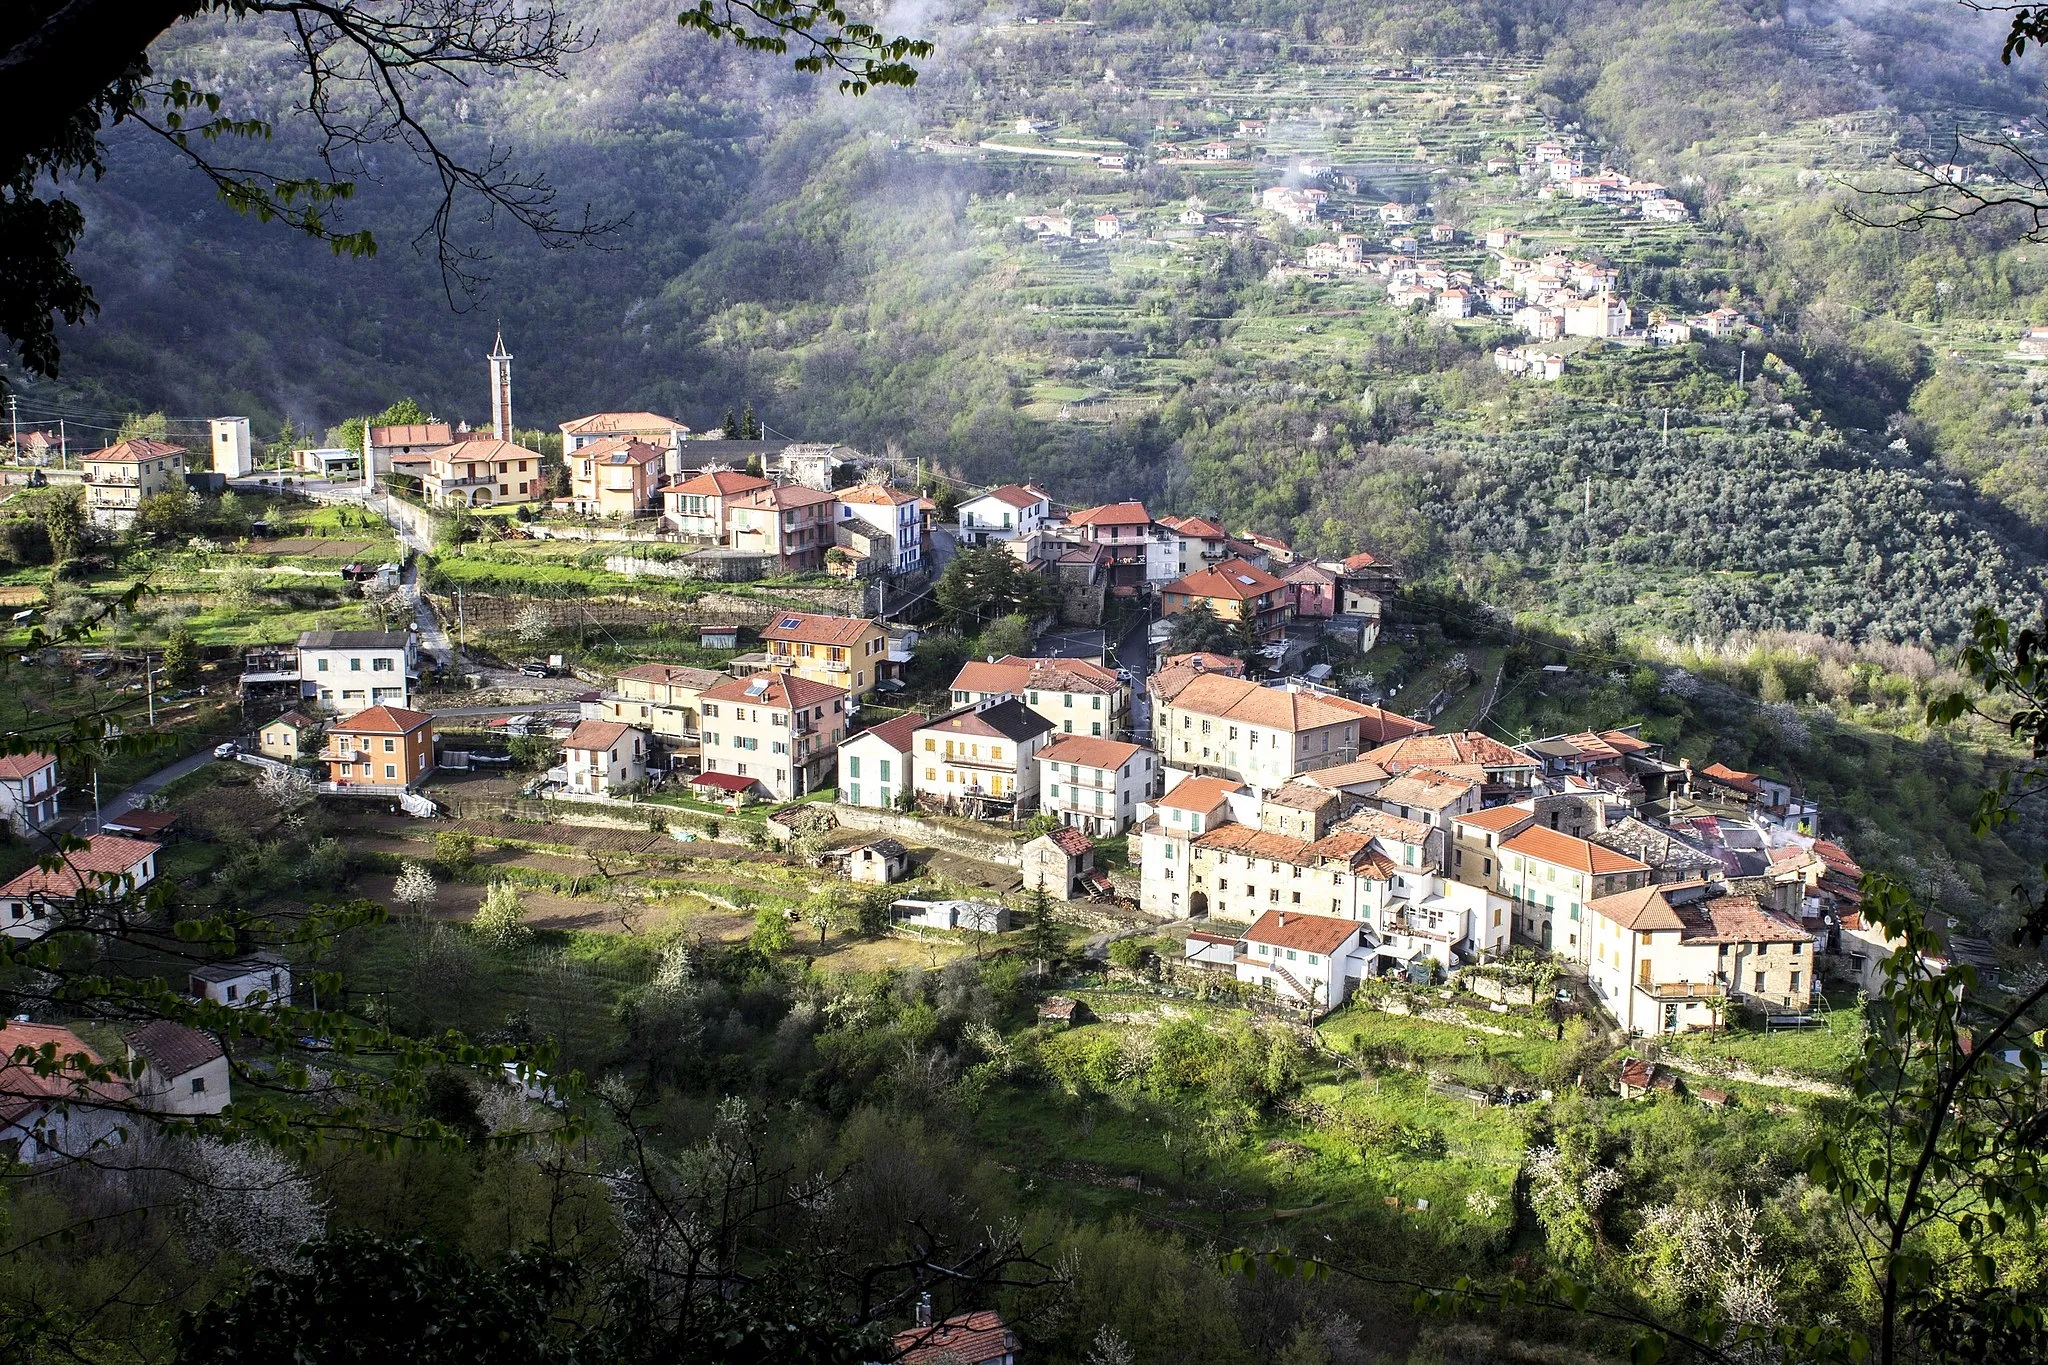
[989, 849]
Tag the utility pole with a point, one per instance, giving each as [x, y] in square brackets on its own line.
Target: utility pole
[1741, 368]
[1667, 429]
[14, 422]
[149, 686]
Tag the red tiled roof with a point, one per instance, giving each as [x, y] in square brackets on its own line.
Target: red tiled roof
[894, 732]
[784, 496]
[1071, 841]
[1736, 919]
[1112, 514]
[1564, 850]
[23, 1091]
[134, 450]
[1346, 774]
[1380, 825]
[1322, 934]
[1199, 793]
[636, 423]
[1496, 817]
[1377, 725]
[619, 450]
[173, 1049]
[1232, 580]
[105, 857]
[382, 720]
[1465, 748]
[1645, 909]
[1425, 787]
[1240, 699]
[15, 767]
[875, 495]
[145, 823]
[806, 628]
[1089, 752]
[476, 450]
[725, 782]
[774, 689]
[1017, 495]
[596, 734]
[1228, 664]
[968, 1338]
[719, 483]
[1731, 777]
[1013, 673]
[1625, 742]
[1194, 528]
[673, 675]
[1361, 561]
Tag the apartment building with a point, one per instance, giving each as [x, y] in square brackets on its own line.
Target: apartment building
[383, 748]
[118, 478]
[983, 759]
[779, 729]
[618, 477]
[1184, 545]
[1551, 877]
[1124, 532]
[662, 698]
[1079, 697]
[875, 765]
[1476, 837]
[1233, 591]
[1094, 785]
[889, 517]
[1667, 959]
[790, 523]
[1003, 514]
[840, 651]
[650, 428]
[1165, 842]
[352, 670]
[1221, 726]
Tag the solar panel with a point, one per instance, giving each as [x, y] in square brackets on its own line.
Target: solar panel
[790, 623]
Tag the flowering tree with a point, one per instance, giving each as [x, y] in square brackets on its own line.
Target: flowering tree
[415, 888]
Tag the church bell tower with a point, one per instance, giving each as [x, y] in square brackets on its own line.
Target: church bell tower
[501, 390]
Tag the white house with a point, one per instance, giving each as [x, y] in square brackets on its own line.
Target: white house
[1667, 959]
[243, 981]
[66, 1114]
[875, 765]
[894, 515]
[1311, 960]
[353, 670]
[1094, 785]
[109, 865]
[184, 1071]
[1190, 809]
[1003, 514]
[603, 756]
[28, 791]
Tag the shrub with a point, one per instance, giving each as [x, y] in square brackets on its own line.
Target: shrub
[501, 920]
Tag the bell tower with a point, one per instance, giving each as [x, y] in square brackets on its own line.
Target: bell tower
[501, 390]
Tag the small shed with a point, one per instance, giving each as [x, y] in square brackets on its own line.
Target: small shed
[1213, 951]
[1713, 1096]
[731, 788]
[718, 637]
[141, 824]
[878, 862]
[1058, 861]
[985, 917]
[236, 983]
[1062, 1011]
[184, 1071]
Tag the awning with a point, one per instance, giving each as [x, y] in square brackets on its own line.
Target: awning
[725, 782]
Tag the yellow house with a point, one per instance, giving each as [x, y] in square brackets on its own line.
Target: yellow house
[664, 698]
[118, 478]
[618, 477]
[292, 736]
[839, 651]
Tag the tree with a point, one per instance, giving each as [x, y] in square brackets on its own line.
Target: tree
[1127, 955]
[501, 920]
[750, 425]
[1006, 636]
[1046, 944]
[455, 849]
[1198, 629]
[284, 787]
[65, 521]
[730, 425]
[367, 77]
[415, 888]
[771, 934]
[533, 753]
[826, 910]
[533, 624]
[986, 582]
[165, 516]
[181, 657]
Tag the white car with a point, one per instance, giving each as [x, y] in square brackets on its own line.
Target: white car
[227, 750]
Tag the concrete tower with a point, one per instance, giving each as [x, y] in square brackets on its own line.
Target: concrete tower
[232, 452]
[501, 390]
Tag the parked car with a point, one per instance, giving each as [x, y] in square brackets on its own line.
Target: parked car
[227, 750]
[536, 670]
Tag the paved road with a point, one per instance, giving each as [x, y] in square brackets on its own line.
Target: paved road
[156, 782]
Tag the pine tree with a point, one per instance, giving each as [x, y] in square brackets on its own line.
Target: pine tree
[730, 425]
[1045, 931]
[750, 425]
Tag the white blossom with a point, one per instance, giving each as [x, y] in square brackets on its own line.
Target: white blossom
[250, 1201]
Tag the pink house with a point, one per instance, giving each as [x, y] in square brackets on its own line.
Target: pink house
[1311, 590]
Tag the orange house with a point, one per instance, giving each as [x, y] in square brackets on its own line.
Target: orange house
[385, 748]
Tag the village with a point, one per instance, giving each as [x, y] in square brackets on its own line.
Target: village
[1172, 768]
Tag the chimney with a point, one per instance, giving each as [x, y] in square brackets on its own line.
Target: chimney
[924, 1310]
[1283, 919]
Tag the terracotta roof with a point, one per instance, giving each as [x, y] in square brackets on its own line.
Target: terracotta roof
[1111, 514]
[1199, 793]
[635, 423]
[1346, 774]
[1376, 725]
[1361, 561]
[875, 495]
[720, 483]
[476, 451]
[1016, 495]
[1736, 919]
[784, 690]
[1307, 571]
[619, 450]
[1240, 699]
[1625, 742]
[173, 1049]
[1299, 795]
[295, 718]
[1645, 909]
[725, 782]
[1253, 842]
[105, 857]
[1425, 787]
[1443, 751]
[1194, 528]
[968, 1338]
[895, 732]
[1232, 580]
[23, 1091]
[1208, 662]
[1496, 817]
[383, 720]
[787, 495]
[596, 734]
[1731, 777]
[413, 434]
[1355, 848]
[134, 450]
[15, 767]
[674, 675]
[1836, 857]
[1381, 825]
[1567, 851]
[1322, 934]
[1013, 673]
[806, 628]
[1070, 841]
[1090, 752]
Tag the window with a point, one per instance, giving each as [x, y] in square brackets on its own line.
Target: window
[199, 1085]
[853, 768]
[383, 666]
[355, 665]
[1795, 983]
[1290, 954]
[390, 746]
[390, 770]
[320, 666]
[1759, 983]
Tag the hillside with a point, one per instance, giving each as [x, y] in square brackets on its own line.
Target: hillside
[861, 270]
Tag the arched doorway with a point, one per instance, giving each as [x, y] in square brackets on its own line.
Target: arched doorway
[480, 497]
[1198, 904]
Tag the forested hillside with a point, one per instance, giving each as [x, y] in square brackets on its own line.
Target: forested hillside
[855, 268]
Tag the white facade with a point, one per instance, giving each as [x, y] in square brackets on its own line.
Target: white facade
[1003, 514]
[873, 772]
[28, 791]
[232, 453]
[1307, 959]
[351, 671]
[1095, 785]
[894, 516]
[601, 757]
[242, 983]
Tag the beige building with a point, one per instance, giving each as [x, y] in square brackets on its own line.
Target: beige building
[1077, 696]
[602, 757]
[1165, 842]
[982, 760]
[1552, 876]
[291, 737]
[777, 728]
[480, 473]
[696, 506]
[1262, 736]
[1663, 957]
[618, 477]
[1476, 838]
[663, 698]
[118, 478]
[840, 651]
